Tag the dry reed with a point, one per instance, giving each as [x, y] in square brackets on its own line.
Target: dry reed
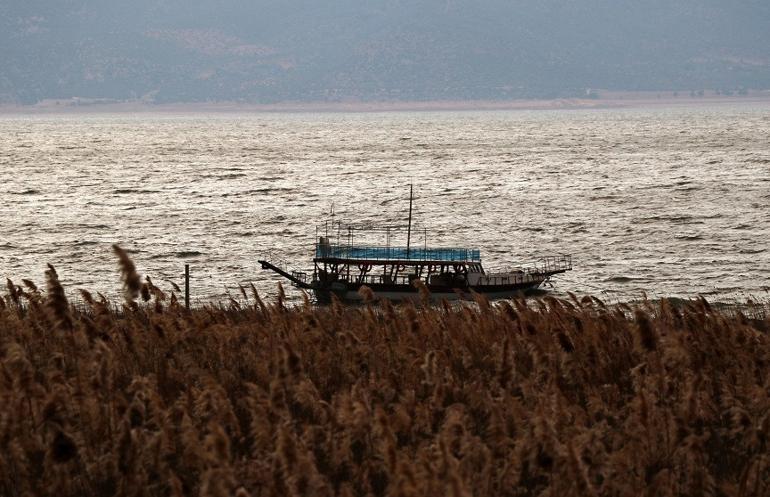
[501, 399]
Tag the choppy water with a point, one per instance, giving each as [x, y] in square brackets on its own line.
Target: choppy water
[671, 202]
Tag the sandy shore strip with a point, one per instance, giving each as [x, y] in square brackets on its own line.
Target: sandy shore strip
[605, 100]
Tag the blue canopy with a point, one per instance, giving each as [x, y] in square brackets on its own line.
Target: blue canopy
[397, 253]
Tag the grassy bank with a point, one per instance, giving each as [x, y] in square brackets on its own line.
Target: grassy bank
[542, 397]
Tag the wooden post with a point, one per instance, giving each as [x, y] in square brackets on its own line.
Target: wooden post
[187, 286]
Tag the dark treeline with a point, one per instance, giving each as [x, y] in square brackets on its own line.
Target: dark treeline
[268, 51]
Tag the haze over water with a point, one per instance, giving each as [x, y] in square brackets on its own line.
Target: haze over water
[667, 201]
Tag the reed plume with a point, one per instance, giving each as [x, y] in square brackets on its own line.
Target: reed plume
[57, 301]
[31, 285]
[13, 292]
[132, 282]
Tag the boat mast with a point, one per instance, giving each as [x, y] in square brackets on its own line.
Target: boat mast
[409, 229]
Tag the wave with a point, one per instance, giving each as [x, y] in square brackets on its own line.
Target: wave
[184, 254]
[689, 237]
[126, 191]
[258, 191]
[224, 177]
[679, 219]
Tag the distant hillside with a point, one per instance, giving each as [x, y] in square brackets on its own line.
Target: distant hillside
[266, 51]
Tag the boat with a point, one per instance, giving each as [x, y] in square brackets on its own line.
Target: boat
[346, 261]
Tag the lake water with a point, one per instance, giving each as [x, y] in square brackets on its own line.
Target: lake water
[667, 201]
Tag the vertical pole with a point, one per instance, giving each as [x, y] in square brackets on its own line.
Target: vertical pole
[187, 286]
[409, 228]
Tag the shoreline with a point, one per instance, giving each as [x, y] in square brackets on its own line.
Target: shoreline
[610, 100]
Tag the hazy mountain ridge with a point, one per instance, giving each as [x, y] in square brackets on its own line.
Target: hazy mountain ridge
[267, 51]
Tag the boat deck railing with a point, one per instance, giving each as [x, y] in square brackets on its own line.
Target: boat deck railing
[548, 265]
[518, 278]
[381, 279]
[552, 264]
[379, 253]
[297, 278]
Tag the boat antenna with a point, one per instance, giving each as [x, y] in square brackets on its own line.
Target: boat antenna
[409, 228]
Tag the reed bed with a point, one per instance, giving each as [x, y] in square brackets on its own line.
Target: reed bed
[523, 398]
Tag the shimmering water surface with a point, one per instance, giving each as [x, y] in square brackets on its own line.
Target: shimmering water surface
[671, 202]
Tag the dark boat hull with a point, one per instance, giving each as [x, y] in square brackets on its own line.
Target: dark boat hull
[349, 292]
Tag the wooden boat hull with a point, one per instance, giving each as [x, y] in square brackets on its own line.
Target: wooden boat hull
[395, 293]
